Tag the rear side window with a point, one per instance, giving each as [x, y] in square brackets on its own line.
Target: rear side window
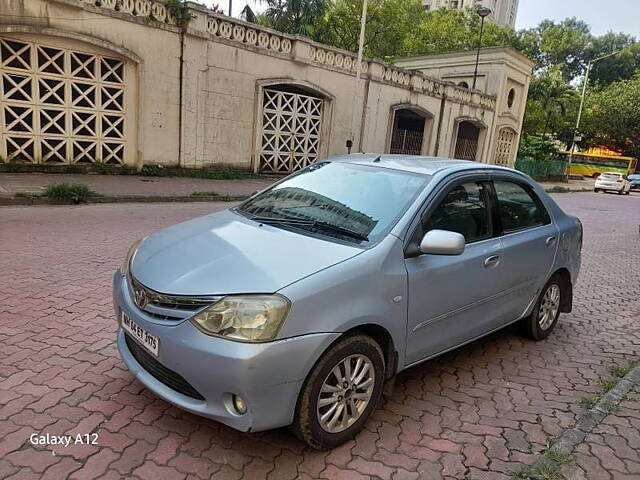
[519, 207]
[463, 210]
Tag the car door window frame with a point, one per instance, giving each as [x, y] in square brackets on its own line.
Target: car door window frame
[497, 218]
[432, 202]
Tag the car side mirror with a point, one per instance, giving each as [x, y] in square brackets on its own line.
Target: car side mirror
[442, 242]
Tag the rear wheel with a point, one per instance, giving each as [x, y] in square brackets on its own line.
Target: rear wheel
[596, 190]
[340, 393]
[546, 311]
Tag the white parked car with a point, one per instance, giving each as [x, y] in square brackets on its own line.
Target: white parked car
[614, 182]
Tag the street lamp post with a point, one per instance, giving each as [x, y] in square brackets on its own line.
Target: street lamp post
[356, 84]
[483, 12]
[576, 138]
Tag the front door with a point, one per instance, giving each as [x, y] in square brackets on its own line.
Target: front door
[453, 299]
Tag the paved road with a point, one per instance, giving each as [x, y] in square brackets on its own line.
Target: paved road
[477, 413]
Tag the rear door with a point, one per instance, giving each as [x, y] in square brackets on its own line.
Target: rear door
[529, 241]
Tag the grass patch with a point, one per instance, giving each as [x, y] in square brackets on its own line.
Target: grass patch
[68, 193]
[217, 174]
[620, 371]
[607, 384]
[560, 458]
[27, 195]
[558, 189]
[590, 401]
[548, 468]
[205, 194]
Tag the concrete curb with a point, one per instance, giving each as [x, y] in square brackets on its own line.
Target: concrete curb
[565, 444]
[7, 201]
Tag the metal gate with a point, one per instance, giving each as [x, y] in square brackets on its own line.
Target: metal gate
[60, 105]
[291, 124]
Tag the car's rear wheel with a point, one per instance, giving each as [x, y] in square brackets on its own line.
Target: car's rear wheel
[340, 393]
[596, 190]
[546, 311]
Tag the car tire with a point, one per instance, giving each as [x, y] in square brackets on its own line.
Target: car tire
[595, 190]
[546, 311]
[307, 424]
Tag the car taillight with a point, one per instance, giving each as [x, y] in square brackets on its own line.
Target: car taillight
[620, 181]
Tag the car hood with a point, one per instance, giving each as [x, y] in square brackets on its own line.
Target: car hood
[226, 253]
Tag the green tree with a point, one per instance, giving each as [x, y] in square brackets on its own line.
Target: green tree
[550, 99]
[622, 66]
[612, 117]
[564, 44]
[389, 23]
[447, 30]
[298, 17]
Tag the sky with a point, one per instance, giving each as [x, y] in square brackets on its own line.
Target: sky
[602, 15]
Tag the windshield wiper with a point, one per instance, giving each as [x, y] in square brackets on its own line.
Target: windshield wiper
[302, 222]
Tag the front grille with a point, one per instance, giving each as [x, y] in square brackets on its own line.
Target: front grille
[161, 373]
[164, 306]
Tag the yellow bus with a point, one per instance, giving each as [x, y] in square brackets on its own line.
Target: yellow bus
[593, 163]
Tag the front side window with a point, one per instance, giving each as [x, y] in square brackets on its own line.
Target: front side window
[518, 207]
[463, 210]
[347, 201]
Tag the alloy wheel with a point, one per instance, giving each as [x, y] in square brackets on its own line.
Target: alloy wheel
[549, 307]
[345, 393]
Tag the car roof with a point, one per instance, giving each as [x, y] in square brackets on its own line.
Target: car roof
[413, 163]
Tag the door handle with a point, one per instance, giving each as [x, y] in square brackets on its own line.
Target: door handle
[550, 241]
[491, 261]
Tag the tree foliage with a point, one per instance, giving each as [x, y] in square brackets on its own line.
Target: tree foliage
[447, 30]
[619, 67]
[550, 100]
[298, 17]
[389, 23]
[562, 45]
[612, 117]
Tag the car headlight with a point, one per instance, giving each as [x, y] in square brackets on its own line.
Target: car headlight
[124, 268]
[245, 318]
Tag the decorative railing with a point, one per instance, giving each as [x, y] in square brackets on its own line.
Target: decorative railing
[297, 48]
[335, 58]
[228, 29]
[152, 9]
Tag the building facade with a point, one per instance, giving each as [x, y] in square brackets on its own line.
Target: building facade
[503, 12]
[119, 82]
[503, 73]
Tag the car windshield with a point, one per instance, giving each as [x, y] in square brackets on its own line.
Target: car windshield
[351, 202]
[611, 176]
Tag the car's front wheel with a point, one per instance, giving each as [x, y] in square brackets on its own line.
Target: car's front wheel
[340, 393]
[546, 311]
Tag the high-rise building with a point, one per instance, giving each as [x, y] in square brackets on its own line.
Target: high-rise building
[503, 11]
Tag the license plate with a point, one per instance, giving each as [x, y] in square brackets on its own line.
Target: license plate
[147, 340]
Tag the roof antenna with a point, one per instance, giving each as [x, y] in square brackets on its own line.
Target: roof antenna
[377, 159]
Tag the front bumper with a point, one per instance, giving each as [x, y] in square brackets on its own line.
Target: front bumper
[268, 376]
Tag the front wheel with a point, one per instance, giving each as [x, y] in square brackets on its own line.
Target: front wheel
[340, 393]
[546, 311]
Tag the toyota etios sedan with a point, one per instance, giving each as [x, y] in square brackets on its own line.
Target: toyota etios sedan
[299, 306]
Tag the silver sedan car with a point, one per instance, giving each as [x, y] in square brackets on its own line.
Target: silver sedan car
[299, 306]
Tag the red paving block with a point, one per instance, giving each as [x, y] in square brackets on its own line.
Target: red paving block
[477, 413]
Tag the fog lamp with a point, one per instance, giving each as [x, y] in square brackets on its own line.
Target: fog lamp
[239, 404]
